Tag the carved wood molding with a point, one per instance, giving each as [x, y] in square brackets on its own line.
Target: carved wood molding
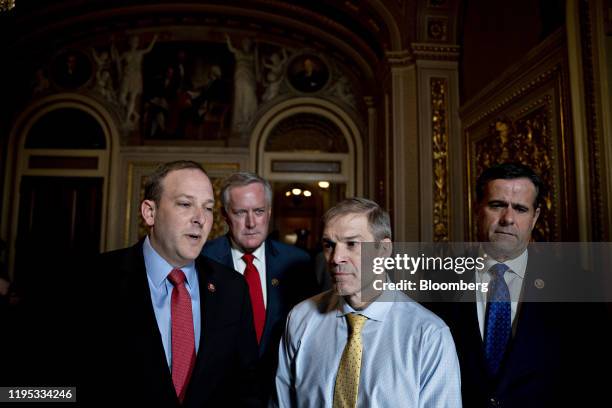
[441, 52]
[439, 129]
[593, 125]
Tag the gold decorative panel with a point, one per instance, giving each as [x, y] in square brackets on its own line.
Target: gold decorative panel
[526, 139]
[439, 123]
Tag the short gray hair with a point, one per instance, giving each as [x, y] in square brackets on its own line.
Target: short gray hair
[378, 219]
[240, 179]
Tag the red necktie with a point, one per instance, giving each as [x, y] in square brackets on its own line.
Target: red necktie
[183, 339]
[259, 310]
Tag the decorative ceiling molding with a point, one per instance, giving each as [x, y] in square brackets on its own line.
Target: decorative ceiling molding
[435, 51]
[291, 23]
[403, 57]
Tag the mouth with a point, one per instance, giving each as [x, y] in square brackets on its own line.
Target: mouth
[505, 233]
[336, 272]
[194, 237]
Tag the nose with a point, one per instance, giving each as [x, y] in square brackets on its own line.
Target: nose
[249, 220]
[507, 216]
[338, 255]
[199, 216]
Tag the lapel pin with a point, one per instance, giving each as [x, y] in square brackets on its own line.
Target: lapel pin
[539, 283]
[211, 288]
[275, 282]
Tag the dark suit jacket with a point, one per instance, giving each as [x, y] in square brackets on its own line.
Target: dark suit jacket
[551, 357]
[132, 362]
[289, 279]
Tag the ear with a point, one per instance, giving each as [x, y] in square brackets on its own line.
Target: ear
[147, 210]
[386, 247]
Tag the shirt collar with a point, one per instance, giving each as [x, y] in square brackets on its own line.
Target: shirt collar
[517, 265]
[259, 253]
[377, 310]
[158, 268]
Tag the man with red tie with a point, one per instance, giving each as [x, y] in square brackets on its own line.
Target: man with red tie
[278, 275]
[178, 330]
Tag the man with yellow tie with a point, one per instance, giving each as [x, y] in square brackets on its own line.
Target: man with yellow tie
[356, 347]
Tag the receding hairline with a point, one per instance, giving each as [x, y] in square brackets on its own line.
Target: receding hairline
[201, 171]
[154, 185]
[353, 215]
[263, 189]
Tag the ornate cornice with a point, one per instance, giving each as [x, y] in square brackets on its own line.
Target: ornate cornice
[514, 95]
[534, 69]
[439, 52]
[399, 58]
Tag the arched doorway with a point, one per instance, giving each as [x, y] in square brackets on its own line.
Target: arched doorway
[58, 187]
[311, 152]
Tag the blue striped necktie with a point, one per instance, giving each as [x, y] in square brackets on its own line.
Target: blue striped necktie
[498, 326]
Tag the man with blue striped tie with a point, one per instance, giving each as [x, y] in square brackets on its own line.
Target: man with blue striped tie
[515, 350]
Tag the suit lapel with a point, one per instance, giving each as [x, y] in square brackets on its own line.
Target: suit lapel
[468, 333]
[273, 289]
[210, 310]
[139, 297]
[142, 322]
[527, 323]
[473, 338]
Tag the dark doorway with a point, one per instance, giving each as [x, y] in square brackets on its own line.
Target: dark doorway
[59, 223]
[298, 208]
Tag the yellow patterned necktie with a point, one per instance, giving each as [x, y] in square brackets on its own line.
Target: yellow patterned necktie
[347, 380]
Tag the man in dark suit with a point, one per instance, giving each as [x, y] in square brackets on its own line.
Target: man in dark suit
[278, 275]
[514, 348]
[176, 327]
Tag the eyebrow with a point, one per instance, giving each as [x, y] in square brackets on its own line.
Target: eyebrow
[190, 197]
[344, 239]
[351, 238]
[506, 203]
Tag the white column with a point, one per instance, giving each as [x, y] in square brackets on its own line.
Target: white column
[442, 189]
[404, 151]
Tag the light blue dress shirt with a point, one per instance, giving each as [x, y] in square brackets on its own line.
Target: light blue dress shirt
[408, 358]
[161, 295]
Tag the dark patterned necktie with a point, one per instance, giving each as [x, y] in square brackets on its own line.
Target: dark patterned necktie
[498, 326]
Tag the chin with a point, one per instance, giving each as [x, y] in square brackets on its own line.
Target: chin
[343, 289]
[502, 249]
[191, 255]
[252, 244]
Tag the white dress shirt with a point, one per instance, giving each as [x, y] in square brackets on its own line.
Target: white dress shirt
[408, 357]
[259, 262]
[514, 278]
